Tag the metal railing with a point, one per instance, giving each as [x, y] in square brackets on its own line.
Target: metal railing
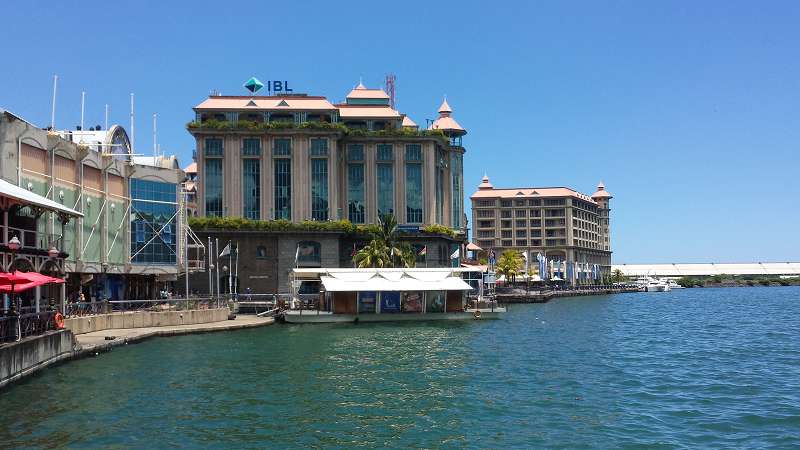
[14, 328]
[80, 309]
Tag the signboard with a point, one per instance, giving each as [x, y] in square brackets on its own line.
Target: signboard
[366, 301]
[412, 302]
[390, 302]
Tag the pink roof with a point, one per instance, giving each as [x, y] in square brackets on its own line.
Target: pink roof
[368, 93]
[445, 108]
[473, 247]
[446, 123]
[367, 112]
[539, 192]
[485, 183]
[264, 103]
[191, 168]
[602, 192]
[409, 123]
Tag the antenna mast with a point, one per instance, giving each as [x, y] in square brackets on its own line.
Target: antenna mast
[391, 79]
[106, 122]
[133, 133]
[83, 101]
[155, 130]
[53, 112]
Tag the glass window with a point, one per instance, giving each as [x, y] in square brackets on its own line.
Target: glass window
[385, 152]
[413, 152]
[251, 188]
[319, 147]
[385, 188]
[355, 152]
[319, 188]
[456, 171]
[283, 188]
[213, 147]
[261, 252]
[213, 175]
[309, 254]
[355, 192]
[282, 147]
[251, 147]
[413, 192]
[520, 213]
[153, 208]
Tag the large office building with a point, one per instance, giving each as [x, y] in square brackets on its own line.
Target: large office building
[559, 222]
[126, 242]
[299, 158]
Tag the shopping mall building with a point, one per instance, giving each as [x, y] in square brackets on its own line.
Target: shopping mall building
[124, 241]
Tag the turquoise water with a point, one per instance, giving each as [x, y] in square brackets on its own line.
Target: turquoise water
[687, 369]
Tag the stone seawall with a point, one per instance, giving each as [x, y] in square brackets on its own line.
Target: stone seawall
[145, 319]
[18, 359]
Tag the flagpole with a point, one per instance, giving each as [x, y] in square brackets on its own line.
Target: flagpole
[236, 285]
[210, 268]
[216, 258]
[230, 269]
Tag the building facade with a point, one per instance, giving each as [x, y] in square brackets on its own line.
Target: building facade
[299, 157]
[558, 222]
[125, 246]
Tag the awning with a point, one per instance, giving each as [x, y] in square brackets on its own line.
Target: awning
[473, 247]
[26, 197]
[393, 281]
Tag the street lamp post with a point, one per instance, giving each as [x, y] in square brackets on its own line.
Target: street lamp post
[13, 245]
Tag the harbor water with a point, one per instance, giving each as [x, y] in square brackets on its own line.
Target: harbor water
[685, 369]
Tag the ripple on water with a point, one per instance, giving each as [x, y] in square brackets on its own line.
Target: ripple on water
[686, 369]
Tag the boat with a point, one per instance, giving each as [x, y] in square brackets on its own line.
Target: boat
[671, 284]
[650, 284]
[386, 295]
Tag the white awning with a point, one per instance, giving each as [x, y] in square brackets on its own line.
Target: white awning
[392, 281]
[26, 197]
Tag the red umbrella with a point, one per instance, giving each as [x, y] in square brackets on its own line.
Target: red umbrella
[22, 281]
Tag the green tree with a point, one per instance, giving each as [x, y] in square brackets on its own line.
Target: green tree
[617, 276]
[509, 264]
[385, 248]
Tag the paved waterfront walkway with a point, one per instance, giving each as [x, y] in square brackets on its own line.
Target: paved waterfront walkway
[96, 341]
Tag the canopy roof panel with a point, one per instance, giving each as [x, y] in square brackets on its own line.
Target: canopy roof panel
[357, 280]
[25, 198]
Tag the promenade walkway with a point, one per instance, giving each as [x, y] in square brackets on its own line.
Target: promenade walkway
[100, 341]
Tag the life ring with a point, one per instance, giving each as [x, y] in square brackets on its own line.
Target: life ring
[59, 319]
[476, 314]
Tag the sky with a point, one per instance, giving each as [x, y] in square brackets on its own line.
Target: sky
[689, 112]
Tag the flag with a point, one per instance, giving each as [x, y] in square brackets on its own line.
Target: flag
[455, 254]
[297, 254]
[423, 251]
[226, 251]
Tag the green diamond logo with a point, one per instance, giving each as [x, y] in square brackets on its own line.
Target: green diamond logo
[253, 85]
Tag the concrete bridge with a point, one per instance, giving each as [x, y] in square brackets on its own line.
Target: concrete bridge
[708, 269]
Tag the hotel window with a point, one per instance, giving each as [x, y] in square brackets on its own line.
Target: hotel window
[520, 213]
[484, 203]
[485, 213]
[319, 188]
[485, 233]
[282, 147]
[536, 222]
[283, 188]
[534, 202]
[485, 224]
[213, 147]
[554, 202]
[519, 202]
[536, 242]
[251, 188]
[521, 223]
[505, 243]
[536, 213]
[505, 234]
[505, 224]
[522, 242]
[413, 183]
[213, 180]
[251, 147]
[385, 174]
[505, 214]
[319, 147]
[536, 233]
[355, 183]
[522, 233]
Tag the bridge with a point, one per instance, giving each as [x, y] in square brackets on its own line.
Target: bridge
[709, 269]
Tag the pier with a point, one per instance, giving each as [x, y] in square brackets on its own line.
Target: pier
[517, 295]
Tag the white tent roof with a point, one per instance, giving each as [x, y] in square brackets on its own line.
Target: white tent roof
[26, 197]
[700, 269]
[411, 280]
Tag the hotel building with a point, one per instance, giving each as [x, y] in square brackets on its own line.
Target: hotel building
[298, 157]
[558, 222]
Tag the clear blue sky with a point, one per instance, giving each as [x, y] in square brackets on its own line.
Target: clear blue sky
[688, 111]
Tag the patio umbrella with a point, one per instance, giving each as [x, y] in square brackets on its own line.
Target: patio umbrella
[22, 281]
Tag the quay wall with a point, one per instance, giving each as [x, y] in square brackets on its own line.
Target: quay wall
[144, 319]
[18, 359]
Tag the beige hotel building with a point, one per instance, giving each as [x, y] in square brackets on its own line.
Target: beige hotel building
[557, 221]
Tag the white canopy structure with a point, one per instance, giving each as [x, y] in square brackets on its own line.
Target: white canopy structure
[359, 280]
[27, 198]
[706, 269]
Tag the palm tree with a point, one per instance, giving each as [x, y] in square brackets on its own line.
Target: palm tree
[385, 248]
[373, 254]
[509, 264]
[617, 276]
